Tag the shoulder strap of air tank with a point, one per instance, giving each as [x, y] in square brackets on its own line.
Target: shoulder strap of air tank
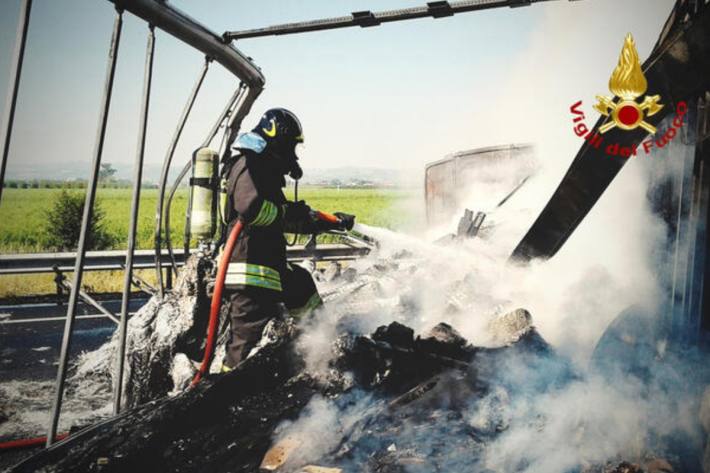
[223, 186]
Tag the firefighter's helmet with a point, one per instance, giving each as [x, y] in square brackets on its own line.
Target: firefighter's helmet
[283, 132]
[280, 126]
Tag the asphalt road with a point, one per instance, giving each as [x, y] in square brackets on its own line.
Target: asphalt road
[31, 336]
[30, 339]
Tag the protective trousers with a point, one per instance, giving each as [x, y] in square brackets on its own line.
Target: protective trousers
[251, 308]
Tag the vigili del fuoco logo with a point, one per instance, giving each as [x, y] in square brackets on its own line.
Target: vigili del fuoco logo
[627, 83]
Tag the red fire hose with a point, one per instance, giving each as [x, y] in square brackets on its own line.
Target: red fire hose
[27, 443]
[217, 301]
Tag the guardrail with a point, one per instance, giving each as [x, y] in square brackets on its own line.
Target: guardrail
[33, 263]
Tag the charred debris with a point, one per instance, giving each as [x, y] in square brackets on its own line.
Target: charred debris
[229, 422]
[388, 401]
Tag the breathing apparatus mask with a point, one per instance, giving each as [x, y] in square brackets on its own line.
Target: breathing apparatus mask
[287, 159]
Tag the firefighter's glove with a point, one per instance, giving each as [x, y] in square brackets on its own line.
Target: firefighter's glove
[346, 222]
[297, 211]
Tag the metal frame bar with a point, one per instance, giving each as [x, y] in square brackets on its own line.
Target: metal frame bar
[176, 184]
[364, 19]
[133, 223]
[178, 24]
[18, 56]
[86, 220]
[166, 168]
[242, 109]
[698, 267]
[186, 29]
[91, 301]
[682, 188]
[142, 285]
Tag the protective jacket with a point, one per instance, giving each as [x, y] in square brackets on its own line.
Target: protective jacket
[254, 194]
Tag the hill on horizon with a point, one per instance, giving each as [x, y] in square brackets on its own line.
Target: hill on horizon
[344, 175]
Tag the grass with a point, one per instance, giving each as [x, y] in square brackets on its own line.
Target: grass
[18, 285]
[22, 213]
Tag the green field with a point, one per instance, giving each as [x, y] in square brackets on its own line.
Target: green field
[22, 217]
[22, 213]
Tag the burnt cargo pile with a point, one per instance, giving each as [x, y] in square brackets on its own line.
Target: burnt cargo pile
[349, 390]
[162, 336]
[388, 402]
[412, 393]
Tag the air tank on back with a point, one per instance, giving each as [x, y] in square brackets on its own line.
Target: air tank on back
[203, 194]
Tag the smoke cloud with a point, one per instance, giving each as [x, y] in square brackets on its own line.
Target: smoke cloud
[609, 266]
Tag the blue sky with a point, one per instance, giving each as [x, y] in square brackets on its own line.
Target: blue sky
[395, 96]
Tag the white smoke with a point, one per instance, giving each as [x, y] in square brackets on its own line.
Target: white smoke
[587, 423]
[609, 264]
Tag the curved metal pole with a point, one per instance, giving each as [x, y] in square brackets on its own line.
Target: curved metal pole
[165, 16]
[133, 223]
[226, 112]
[215, 128]
[242, 111]
[223, 141]
[173, 189]
[166, 169]
[84, 233]
[18, 56]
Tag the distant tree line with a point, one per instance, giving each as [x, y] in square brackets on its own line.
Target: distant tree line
[107, 179]
[68, 184]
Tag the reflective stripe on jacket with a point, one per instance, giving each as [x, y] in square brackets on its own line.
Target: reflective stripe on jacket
[245, 274]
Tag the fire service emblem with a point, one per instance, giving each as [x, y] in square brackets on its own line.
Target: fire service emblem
[628, 83]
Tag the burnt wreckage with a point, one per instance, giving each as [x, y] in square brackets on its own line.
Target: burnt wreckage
[228, 423]
[384, 398]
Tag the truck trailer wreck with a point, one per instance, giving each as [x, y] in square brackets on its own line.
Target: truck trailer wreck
[420, 360]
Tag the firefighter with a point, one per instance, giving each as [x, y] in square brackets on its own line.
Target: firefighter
[259, 279]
